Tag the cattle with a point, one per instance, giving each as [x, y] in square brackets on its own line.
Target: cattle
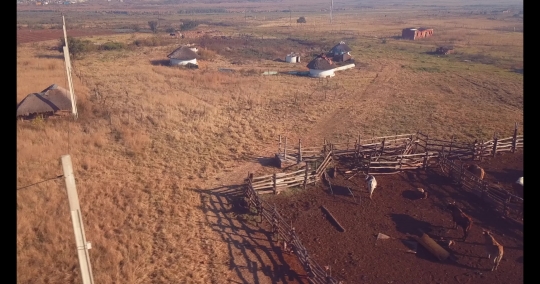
[461, 219]
[493, 248]
[371, 184]
[476, 170]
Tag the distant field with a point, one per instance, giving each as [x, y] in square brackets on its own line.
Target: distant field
[151, 139]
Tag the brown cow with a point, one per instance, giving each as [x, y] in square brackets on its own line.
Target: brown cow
[461, 219]
[493, 248]
[476, 170]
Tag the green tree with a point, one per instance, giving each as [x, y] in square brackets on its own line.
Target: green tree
[76, 46]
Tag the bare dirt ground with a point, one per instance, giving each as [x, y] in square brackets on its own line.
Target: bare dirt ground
[398, 213]
[28, 35]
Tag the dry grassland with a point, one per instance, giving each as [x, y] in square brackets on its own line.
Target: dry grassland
[150, 137]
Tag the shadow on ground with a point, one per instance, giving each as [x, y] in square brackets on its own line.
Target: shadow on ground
[254, 255]
[160, 62]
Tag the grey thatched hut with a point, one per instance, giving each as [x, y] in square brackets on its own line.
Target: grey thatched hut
[54, 100]
[183, 56]
[340, 52]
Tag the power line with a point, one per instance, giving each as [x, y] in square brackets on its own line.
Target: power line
[57, 177]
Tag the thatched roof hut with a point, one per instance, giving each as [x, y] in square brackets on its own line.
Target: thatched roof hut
[340, 48]
[321, 66]
[183, 56]
[183, 53]
[54, 100]
[321, 62]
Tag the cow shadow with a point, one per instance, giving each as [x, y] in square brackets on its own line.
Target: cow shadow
[409, 225]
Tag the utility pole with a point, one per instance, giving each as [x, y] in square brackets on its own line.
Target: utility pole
[67, 60]
[331, 11]
[290, 18]
[76, 218]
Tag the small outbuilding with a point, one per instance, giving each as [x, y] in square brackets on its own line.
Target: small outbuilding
[183, 56]
[53, 101]
[340, 52]
[416, 33]
[321, 67]
[292, 58]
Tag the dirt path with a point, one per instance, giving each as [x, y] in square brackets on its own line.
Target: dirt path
[362, 104]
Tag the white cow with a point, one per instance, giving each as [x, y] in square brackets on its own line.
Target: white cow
[371, 184]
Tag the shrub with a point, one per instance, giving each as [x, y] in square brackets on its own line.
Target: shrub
[76, 46]
[112, 46]
[301, 20]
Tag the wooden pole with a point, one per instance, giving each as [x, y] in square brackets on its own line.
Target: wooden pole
[285, 150]
[279, 148]
[274, 185]
[299, 150]
[306, 175]
[333, 218]
[324, 146]
[76, 218]
[426, 160]
[514, 138]
[382, 146]
[481, 150]
[495, 145]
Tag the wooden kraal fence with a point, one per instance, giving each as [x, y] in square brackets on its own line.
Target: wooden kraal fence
[286, 233]
[474, 151]
[503, 201]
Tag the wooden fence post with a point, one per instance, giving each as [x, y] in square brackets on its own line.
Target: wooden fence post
[426, 148]
[382, 146]
[514, 138]
[495, 145]
[285, 150]
[324, 147]
[369, 163]
[274, 185]
[299, 150]
[260, 211]
[306, 175]
[425, 160]
[481, 150]
[279, 147]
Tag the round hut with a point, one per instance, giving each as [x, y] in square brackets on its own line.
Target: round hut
[53, 101]
[183, 56]
[340, 52]
[321, 67]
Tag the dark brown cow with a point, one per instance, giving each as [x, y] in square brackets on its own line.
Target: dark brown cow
[461, 219]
